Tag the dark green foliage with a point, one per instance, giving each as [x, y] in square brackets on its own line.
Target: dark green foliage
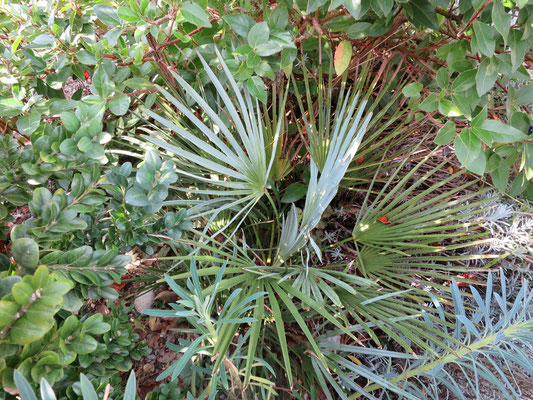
[117, 347]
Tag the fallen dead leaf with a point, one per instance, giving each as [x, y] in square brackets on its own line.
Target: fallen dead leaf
[154, 323]
[167, 296]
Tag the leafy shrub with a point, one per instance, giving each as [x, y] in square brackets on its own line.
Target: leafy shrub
[476, 52]
[117, 346]
[28, 326]
[165, 391]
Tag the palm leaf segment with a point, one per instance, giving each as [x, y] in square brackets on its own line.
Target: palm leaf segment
[347, 131]
[489, 345]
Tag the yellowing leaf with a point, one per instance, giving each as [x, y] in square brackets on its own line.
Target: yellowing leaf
[343, 55]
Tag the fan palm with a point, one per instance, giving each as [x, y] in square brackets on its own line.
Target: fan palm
[232, 167]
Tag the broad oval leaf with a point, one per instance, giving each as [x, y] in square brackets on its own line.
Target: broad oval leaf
[446, 134]
[524, 96]
[465, 80]
[501, 133]
[193, 13]
[470, 152]
[119, 104]
[106, 14]
[127, 14]
[343, 55]
[137, 197]
[294, 192]
[485, 38]
[485, 77]
[258, 34]
[27, 124]
[256, 86]
[412, 90]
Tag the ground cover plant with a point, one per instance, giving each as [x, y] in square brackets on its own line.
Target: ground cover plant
[310, 200]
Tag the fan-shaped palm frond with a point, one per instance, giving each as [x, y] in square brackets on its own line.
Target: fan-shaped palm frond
[405, 237]
[227, 156]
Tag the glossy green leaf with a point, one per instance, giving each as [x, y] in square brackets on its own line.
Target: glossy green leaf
[294, 192]
[68, 147]
[267, 49]
[69, 327]
[25, 251]
[469, 152]
[84, 344]
[500, 132]
[446, 107]
[479, 118]
[24, 330]
[501, 19]
[10, 107]
[106, 14]
[443, 79]
[520, 121]
[524, 95]
[519, 184]
[464, 81]
[313, 5]
[193, 13]
[422, 14]
[119, 104]
[258, 34]
[70, 122]
[27, 124]
[101, 82]
[430, 103]
[240, 23]
[385, 6]
[446, 134]
[412, 90]
[287, 57]
[22, 292]
[253, 60]
[85, 144]
[137, 197]
[485, 38]
[499, 173]
[127, 14]
[466, 102]
[256, 86]
[279, 17]
[357, 8]
[152, 161]
[485, 77]
[86, 57]
[518, 48]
